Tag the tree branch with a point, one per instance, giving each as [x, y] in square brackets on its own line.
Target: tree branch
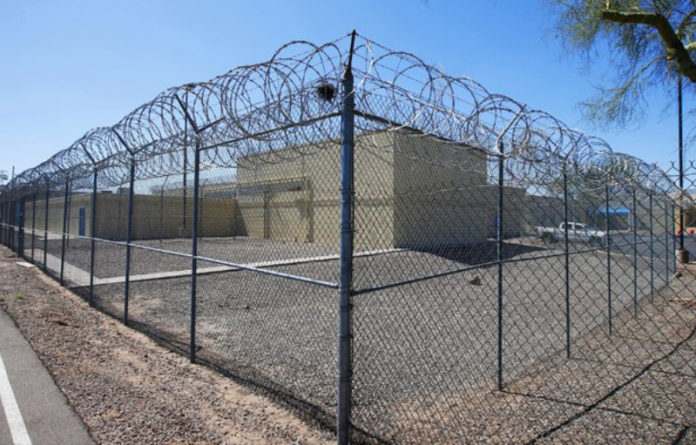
[673, 44]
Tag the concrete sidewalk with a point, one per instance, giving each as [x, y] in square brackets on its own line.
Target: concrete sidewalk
[43, 413]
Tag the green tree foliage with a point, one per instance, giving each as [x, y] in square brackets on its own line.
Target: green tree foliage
[650, 42]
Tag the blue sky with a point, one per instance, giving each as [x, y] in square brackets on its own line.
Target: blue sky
[70, 66]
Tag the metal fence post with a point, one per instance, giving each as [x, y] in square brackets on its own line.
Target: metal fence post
[65, 224]
[8, 233]
[33, 224]
[129, 238]
[499, 256]
[345, 336]
[567, 259]
[608, 247]
[652, 250]
[6, 228]
[92, 234]
[666, 243]
[674, 238]
[195, 220]
[2, 222]
[3, 233]
[635, 254]
[161, 213]
[45, 240]
[13, 226]
[8, 223]
[194, 251]
[20, 227]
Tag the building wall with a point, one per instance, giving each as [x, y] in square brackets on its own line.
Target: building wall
[410, 191]
[310, 212]
[55, 214]
[217, 216]
[442, 196]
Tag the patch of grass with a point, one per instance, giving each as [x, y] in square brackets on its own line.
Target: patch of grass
[19, 296]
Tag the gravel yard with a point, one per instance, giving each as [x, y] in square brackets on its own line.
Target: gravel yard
[130, 390]
[425, 350]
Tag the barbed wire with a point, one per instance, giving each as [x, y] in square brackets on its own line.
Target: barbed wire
[290, 104]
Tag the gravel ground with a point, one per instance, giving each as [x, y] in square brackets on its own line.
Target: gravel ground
[126, 388]
[425, 352]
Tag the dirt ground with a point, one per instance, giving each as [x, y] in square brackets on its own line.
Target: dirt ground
[126, 388]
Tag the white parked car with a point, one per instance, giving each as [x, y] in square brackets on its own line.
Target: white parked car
[578, 232]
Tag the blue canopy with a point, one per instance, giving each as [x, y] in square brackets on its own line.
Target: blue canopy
[615, 210]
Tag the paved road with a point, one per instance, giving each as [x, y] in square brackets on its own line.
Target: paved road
[33, 411]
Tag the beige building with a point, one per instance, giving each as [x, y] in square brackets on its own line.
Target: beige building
[410, 191]
[153, 216]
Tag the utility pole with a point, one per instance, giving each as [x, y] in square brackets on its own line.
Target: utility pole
[682, 254]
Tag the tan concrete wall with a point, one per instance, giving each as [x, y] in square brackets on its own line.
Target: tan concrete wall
[409, 191]
[441, 194]
[55, 214]
[217, 216]
[275, 215]
[313, 213]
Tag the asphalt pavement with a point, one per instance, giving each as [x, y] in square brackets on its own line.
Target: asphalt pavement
[33, 410]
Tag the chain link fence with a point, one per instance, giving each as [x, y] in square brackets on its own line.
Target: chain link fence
[395, 253]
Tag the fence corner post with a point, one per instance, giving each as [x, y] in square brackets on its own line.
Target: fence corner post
[345, 291]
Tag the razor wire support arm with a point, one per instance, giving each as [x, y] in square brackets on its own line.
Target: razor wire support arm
[65, 224]
[567, 259]
[345, 335]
